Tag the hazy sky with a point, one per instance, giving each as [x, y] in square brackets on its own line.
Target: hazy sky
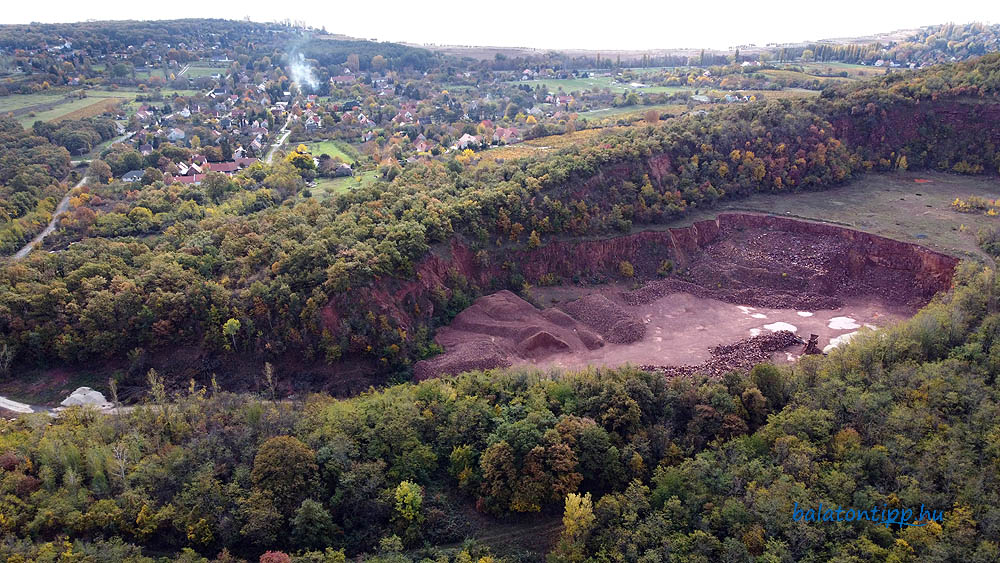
[552, 23]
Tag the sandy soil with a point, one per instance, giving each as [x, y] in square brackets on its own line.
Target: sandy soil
[681, 328]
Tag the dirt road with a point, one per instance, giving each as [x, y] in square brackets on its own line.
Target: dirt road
[60, 209]
[284, 133]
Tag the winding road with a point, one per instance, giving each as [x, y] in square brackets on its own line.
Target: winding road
[60, 209]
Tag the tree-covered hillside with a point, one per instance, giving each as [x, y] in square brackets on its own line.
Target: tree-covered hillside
[167, 266]
[643, 468]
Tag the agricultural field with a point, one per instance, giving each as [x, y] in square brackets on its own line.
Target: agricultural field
[544, 144]
[577, 84]
[614, 113]
[74, 109]
[21, 101]
[796, 75]
[854, 71]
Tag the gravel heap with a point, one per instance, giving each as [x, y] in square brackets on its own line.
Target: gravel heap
[606, 318]
[739, 356]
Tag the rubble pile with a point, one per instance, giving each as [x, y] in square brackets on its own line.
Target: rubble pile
[606, 318]
[739, 356]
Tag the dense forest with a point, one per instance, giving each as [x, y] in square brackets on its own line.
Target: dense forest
[169, 265]
[641, 468]
[31, 169]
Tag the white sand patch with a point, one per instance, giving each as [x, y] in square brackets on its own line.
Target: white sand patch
[759, 316]
[871, 326]
[790, 357]
[658, 338]
[842, 339]
[754, 332]
[746, 310]
[804, 313]
[14, 406]
[843, 323]
[775, 327]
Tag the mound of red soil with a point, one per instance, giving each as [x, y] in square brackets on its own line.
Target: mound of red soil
[501, 328]
[607, 318]
[463, 356]
[740, 356]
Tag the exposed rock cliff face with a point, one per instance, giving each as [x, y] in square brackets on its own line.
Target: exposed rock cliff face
[737, 256]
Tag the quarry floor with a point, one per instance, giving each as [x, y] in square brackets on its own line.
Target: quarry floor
[681, 328]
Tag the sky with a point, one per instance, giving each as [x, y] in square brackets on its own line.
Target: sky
[553, 24]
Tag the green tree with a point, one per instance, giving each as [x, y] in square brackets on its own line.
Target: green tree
[286, 468]
[578, 523]
[231, 328]
[312, 527]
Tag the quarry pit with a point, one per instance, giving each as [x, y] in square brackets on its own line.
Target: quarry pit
[719, 295]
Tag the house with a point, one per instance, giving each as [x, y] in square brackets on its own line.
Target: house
[193, 179]
[313, 123]
[421, 144]
[176, 135]
[145, 149]
[224, 167]
[132, 176]
[465, 140]
[506, 135]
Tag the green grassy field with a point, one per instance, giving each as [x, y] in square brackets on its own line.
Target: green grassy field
[328, 187]
[146, 74]
[21, 101]
[855, 71]
[631, 110]
[576, 84]
[333, 148]
[796, 75]
[197, 71]
[892, 205]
